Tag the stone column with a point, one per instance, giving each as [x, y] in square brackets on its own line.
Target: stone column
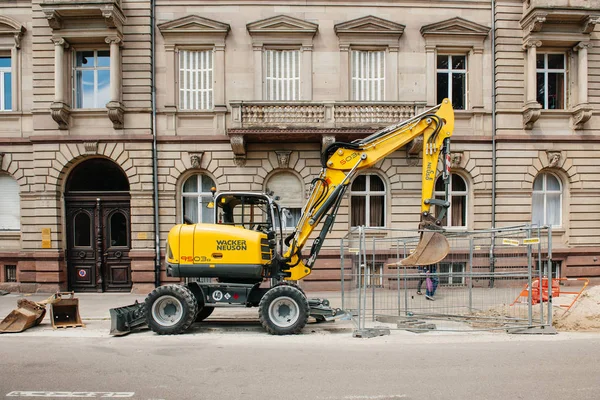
[430, 75]
[258, 71]
[116, 112]
[345, 73]
[59, 70]
[582, 112]
[531, 93]
[582, 72]
[219, 77]
[391, 92]
[475, 79]
[115, 68]
[59, 110]
[306, 80]
[532, 109]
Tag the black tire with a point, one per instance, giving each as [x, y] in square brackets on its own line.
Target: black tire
[204, 312]
[283, 310]
[171, 309]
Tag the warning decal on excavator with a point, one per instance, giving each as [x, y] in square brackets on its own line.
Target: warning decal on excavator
[531, 241]
[510, 242]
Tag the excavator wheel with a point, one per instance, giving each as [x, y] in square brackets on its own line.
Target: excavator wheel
[171, 309]
[283, 310]
[204, 312]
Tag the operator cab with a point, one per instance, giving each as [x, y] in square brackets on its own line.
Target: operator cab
[253, 211]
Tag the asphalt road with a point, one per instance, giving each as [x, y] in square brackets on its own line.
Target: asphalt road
[320, 366]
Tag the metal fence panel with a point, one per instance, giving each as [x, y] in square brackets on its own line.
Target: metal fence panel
[478, 282]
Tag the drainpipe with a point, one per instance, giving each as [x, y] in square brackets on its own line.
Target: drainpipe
[154, 147]
[492, 258]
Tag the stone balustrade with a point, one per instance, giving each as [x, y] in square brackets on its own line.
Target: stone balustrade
[320, 114]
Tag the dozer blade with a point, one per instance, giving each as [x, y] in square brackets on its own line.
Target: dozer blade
[26, 315]
[432, 248]
[125, 319]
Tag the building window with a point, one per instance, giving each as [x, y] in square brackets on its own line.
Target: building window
[368, 75]
[10, 204]
[288, 189]
[367, 201]
[196, 80]
[196, 195]
[282, 74]
[452, 80]
[92, 78]
[10, 273]
[551, 81]
[5, 84]
[456, 216]
[452, 273]
[547, 200]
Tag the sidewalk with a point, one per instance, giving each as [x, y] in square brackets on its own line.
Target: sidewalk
[94, 311]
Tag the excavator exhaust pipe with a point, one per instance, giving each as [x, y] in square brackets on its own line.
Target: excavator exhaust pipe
[432, 248]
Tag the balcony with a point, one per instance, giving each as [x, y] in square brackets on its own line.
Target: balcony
[320, 115]
[302, 121]
[62, 13]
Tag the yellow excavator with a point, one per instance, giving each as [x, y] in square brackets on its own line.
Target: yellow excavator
[245, 247]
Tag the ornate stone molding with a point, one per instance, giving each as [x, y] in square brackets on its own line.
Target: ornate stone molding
[283, 158]
[90, 147]
[583, 45]
[113, 39]
[456, 159]
[60, 113]
[531, 113]
[532, 43]
[580, 115]
[415, 146]
[326, 140]
[9, 26]
[238, 145]
[554, 159]
[116, 113]
[61, 13]
[590, 23]
[240, 161]
[196, 159]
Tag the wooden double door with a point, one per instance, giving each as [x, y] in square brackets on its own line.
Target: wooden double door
[98, 244]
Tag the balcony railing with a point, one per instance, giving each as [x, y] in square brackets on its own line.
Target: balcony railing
[320, 114]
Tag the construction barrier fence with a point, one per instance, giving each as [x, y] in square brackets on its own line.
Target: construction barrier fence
[490, 280]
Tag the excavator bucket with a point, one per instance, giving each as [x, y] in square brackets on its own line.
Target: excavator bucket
[432, 248]
[27, 314]
[64, 312]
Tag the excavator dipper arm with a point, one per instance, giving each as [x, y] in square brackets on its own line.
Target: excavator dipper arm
[341, 162]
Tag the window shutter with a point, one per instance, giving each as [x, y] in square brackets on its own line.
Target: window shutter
[282, 75]
[368, 75]
[196, 80]
[10, 204]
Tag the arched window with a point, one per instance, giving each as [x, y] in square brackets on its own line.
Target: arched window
[456, 215]
[290, 190]
[546, 200]
[10, 204]
[367, 201]
[195, 196]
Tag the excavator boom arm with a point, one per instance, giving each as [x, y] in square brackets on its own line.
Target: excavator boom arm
[343, 161]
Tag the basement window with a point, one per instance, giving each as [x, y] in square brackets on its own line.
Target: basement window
[10, 273]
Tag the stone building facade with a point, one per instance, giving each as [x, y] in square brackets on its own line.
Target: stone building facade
[246, 96]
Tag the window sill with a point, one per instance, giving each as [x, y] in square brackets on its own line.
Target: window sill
[10, 235]
[198, 113]
[10, 113]
[89, 111]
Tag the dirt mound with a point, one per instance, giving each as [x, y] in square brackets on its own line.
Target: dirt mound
[583, 316]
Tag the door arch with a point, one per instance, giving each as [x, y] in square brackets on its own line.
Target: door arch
[97, 204]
